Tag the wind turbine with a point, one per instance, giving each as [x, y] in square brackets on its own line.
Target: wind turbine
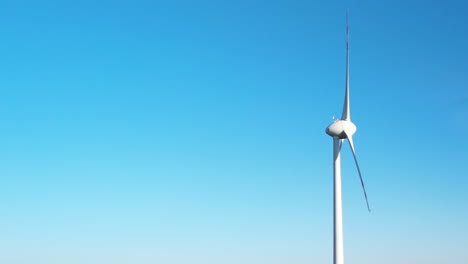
[340, 130]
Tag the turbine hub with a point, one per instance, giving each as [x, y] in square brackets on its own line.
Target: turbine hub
[337, 129]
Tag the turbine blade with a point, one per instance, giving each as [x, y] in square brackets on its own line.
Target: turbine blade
[351, 144]
[346, 113]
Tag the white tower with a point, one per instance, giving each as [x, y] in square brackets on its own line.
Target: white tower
[340, 130]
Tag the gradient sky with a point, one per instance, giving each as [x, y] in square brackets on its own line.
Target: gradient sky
[185, 132]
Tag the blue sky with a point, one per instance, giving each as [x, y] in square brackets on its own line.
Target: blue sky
[193, 131]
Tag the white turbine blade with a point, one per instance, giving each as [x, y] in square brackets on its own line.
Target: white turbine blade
[346, 113]
[351, 144]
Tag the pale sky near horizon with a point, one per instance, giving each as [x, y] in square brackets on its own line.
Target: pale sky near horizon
[185, 132]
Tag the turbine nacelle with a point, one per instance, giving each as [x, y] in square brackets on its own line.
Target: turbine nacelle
[341, 129]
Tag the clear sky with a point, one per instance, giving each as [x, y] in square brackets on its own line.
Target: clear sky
[185, 132]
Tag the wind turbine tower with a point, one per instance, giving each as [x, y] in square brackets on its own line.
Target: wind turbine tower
[340, 130]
